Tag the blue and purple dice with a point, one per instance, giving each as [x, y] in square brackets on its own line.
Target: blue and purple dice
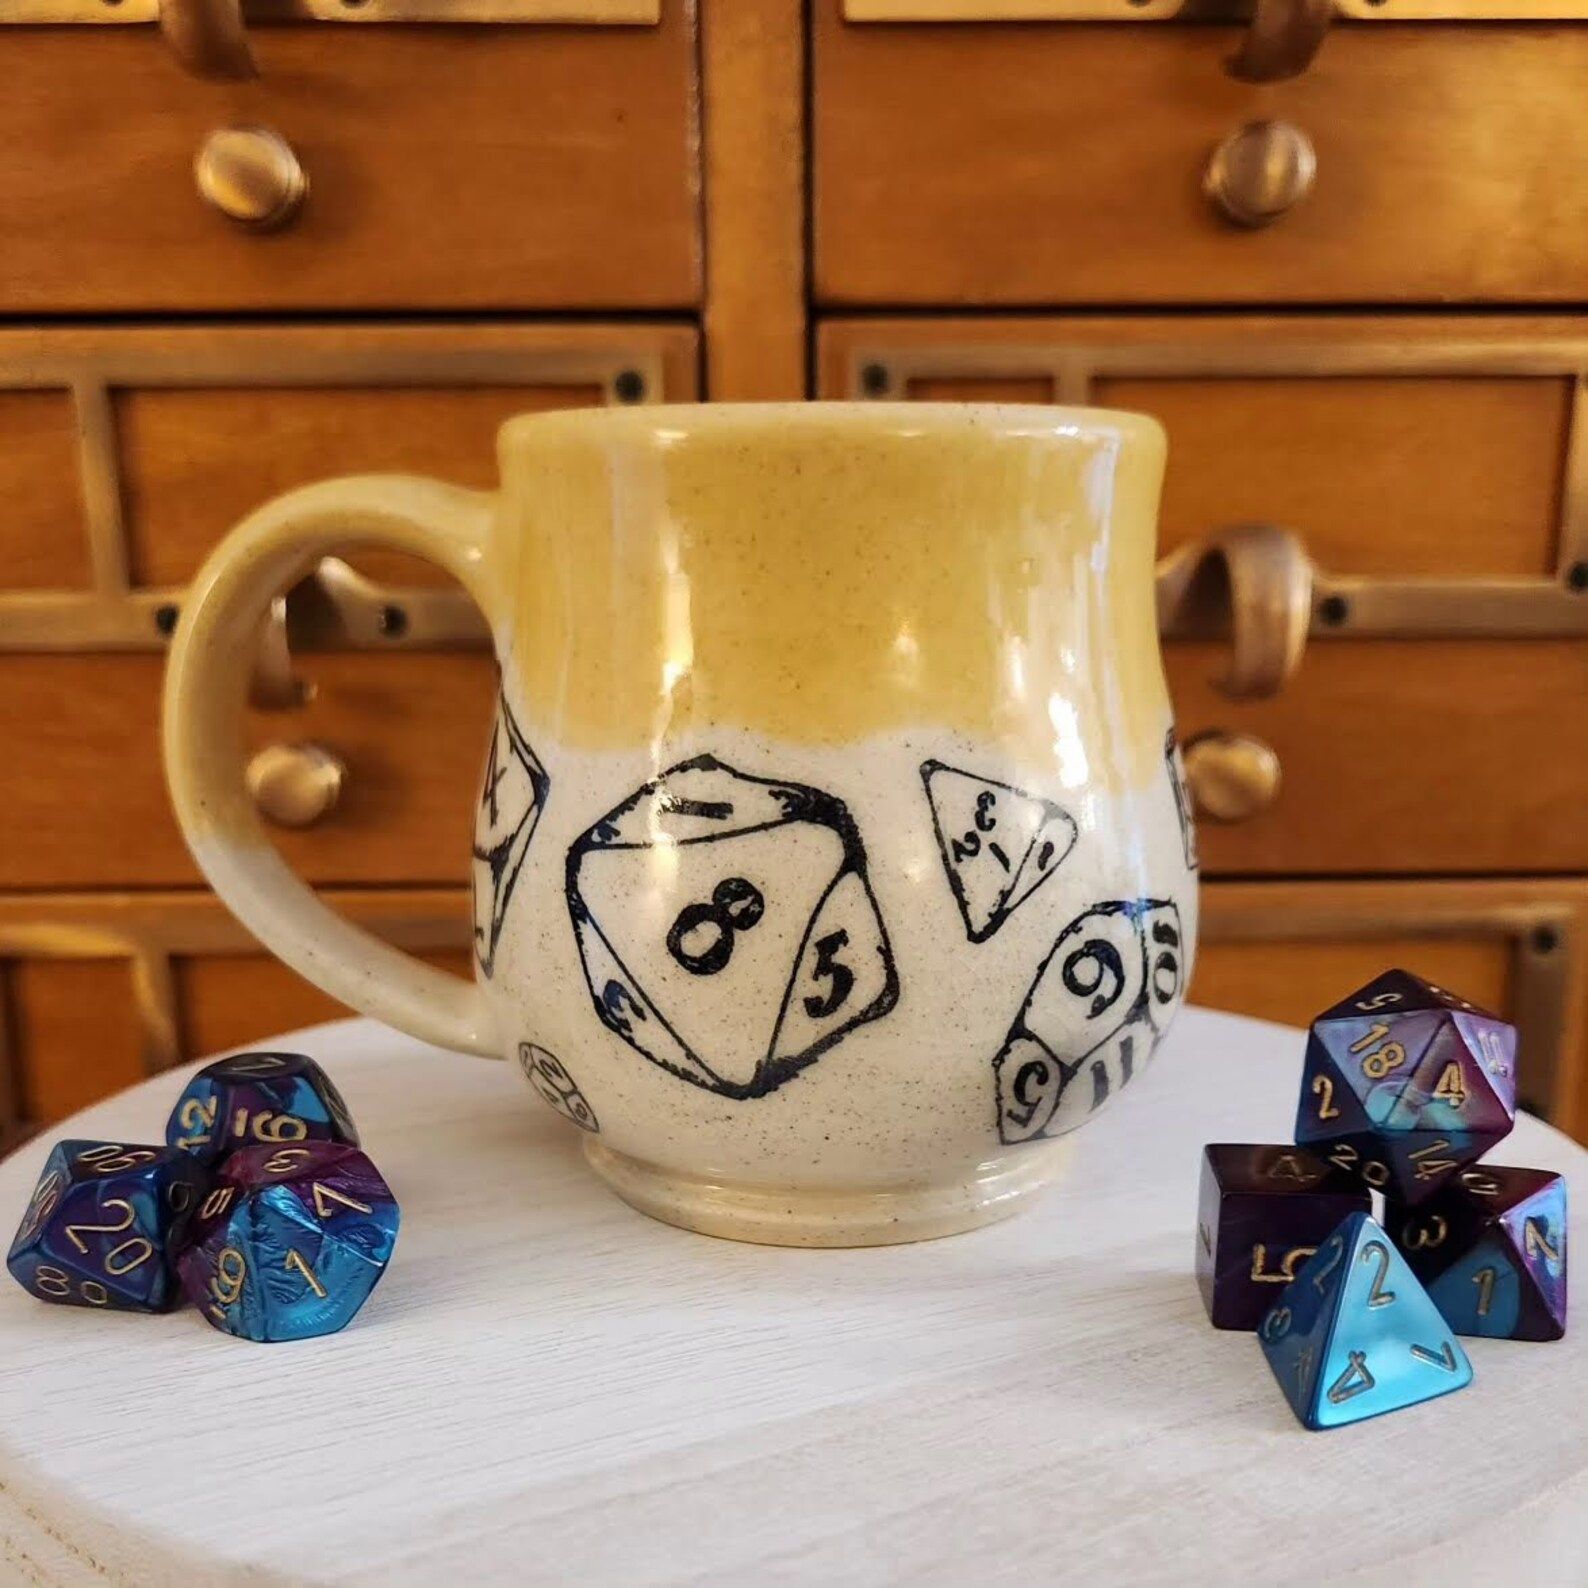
[258, 1097]
[1354, 1334]
[1406, 1084]
[1491, 1248]
[104, 1224]
[1261, 1213]
[290, 1241]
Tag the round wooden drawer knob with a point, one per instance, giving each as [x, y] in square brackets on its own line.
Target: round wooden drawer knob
[295, 785]
[252, 176]
[1232, 775]
[1259, 172]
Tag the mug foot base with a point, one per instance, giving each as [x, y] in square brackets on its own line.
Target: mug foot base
[794, 1217]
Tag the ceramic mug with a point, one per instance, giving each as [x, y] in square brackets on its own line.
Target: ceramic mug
[832, 858]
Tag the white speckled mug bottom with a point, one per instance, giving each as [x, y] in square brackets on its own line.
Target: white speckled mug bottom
[779, 1216]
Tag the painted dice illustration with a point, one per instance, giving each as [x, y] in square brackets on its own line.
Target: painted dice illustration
[104, 1224]
[1405, 1083]
[258, 1097]
[999, 844]
[550, 1078]
[512, 797]
[1491, 1248]
[1354, 1334]
[1100, 1001]
[726, 926]
[1261, 1213]
[290, 1241]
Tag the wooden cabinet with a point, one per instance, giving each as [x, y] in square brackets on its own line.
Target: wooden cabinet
[505, 214]
[510, 167]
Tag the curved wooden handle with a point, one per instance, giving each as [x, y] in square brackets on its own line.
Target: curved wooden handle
[209, 38]
[1254, 580]
[1281, 39]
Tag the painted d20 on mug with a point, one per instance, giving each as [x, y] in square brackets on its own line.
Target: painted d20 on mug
[831, 851]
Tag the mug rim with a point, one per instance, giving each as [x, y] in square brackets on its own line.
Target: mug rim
[1071, 420]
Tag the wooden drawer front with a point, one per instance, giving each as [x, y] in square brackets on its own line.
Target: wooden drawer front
[1433, 469]
[83, 798]
[144, 448]
[133, 451]
[1054, 163]
[448, 167]
[97, 992]
[1285, 951]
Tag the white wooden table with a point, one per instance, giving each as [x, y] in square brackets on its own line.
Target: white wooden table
[549, 1388]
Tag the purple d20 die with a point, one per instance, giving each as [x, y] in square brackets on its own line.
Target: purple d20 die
[104, 1224]
[291, 1241]
[1404, 1084]
[258, 1097]
[1491, 1250]
[1261, 1213]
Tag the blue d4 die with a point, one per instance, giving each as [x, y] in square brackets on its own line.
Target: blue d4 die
[1355, 1334]
[104, 1223]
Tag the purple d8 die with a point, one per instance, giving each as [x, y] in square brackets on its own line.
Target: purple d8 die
[1261, 1214]
[104, 1224]
[1404, 1084]
[290, 1241]
[258, 1097]
[1491, 1250]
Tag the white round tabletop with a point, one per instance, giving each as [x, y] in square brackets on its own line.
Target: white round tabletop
[549, 1388]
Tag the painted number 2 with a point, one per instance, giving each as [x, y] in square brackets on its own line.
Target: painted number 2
[970, 842]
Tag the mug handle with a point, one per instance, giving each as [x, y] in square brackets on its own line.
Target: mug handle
[206, 684]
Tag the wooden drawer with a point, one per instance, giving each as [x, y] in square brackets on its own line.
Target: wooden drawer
[1008, 163]
[99, 991]
[449, 168]
[1285, 951]
[138, 450]
[1433, 468]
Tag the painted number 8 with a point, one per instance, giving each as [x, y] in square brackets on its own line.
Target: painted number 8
[736, 906]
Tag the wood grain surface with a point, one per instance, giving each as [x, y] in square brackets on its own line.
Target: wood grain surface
[548, 1388]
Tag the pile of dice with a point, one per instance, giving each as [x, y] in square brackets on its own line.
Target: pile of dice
[260, 1208]
[1404, 1089]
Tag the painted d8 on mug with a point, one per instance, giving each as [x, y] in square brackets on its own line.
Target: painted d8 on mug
[1355, 1335]
[258, 1097]
[104, 1223]
[291, 1241]
[1405, 1084]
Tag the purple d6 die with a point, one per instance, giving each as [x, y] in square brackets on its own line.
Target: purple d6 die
[104, 1224]
[290, 1241]
[258, 1097]
[1261, 1214]
[1490, 1248]
[1405, 1084]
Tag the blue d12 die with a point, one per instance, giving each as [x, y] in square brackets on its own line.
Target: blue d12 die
[290, 1241]
[1492, 1251]
[1355, 1334]
[258, 1097]
[104, 1223]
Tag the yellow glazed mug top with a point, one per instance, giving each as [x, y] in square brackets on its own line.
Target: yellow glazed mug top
[820, 573]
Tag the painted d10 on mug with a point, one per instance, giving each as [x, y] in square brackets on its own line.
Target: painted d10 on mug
[832, 859]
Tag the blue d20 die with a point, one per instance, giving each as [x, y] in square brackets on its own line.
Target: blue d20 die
[1355, 1334]
[291, 1241]
[1404, 1084]
[104, 1224]
[1492, 1251]
[258, 1097]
